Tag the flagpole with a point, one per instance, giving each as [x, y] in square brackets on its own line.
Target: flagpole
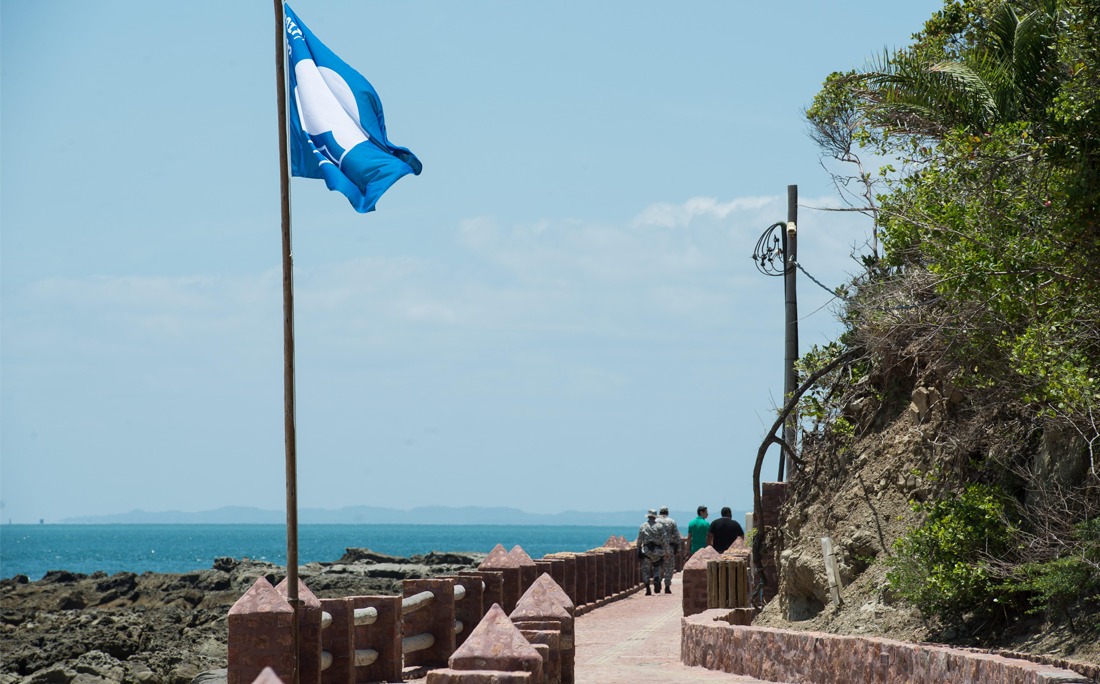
[288, 335]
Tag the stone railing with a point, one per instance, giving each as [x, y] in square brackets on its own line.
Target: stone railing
[375, 638]
[777, 655]
[716, 634]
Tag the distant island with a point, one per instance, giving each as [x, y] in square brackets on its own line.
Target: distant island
[355, 515]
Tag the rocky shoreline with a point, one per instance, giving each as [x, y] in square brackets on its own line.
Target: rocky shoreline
[158, 628]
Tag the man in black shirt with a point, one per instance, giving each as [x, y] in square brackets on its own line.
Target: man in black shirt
[724, 531]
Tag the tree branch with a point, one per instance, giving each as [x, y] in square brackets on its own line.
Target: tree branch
[788, 408]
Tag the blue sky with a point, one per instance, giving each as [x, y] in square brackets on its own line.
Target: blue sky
[559, 313]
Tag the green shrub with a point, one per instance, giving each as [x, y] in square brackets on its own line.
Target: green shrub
[1056, 586]
[942, 567]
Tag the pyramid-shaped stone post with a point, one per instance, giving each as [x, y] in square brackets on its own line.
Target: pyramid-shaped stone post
[567, 574]
[492, 590]
[267, 676]
[544, 615]
[496, 644]
[498, 560]
[309, 633]
[556, 568]
[528, 571]
[261, 635]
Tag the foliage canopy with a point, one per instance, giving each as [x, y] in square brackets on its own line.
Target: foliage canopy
[993, 114]
[987, 227]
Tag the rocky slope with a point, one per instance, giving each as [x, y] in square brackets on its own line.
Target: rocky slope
[164, 628]
[911, 443]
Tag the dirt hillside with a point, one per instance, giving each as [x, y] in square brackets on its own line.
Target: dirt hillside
[914, 438]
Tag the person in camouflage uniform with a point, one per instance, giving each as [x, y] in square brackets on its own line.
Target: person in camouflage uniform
[651, 549]
[673, 542]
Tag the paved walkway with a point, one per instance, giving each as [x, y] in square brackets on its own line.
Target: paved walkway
[637, 639]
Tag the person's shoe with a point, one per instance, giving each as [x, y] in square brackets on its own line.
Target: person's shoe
[647, 591]
[668, 590]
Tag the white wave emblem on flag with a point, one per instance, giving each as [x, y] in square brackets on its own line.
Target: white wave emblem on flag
[327, 105]
[332, 111]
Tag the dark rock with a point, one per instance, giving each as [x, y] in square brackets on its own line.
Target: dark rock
[56, 674]
[437, 558]
[71, 601]
[162, 628]
[99, 666]
[397, 573]
[123, 582]
[355, 555]
[226, 564]
[206, 580]
[212, 677]
[61, 577]
[10, 616]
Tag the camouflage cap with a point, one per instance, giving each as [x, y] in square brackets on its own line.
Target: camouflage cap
[651, 513]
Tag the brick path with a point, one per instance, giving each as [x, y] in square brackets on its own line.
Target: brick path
[637, 640]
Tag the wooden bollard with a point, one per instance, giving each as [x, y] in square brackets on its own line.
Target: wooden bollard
[739, 556]
[727, 583]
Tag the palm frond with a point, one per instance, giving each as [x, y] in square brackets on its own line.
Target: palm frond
[1009, 77]
[1032, 58]
[929, 98]
[968, 92]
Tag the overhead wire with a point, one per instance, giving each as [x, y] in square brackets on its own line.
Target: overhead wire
[769, 251]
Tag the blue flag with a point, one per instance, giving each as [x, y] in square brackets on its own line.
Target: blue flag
[337, 131]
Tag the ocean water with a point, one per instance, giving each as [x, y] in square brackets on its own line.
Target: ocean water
[33, 550]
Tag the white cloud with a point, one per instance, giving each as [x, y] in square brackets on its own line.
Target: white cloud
[563, 279]
[665, 215]
[125, 309]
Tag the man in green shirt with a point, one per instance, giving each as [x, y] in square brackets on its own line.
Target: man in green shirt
[697, 530]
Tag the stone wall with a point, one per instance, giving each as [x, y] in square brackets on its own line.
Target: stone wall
[778, 655]
[374, 638]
